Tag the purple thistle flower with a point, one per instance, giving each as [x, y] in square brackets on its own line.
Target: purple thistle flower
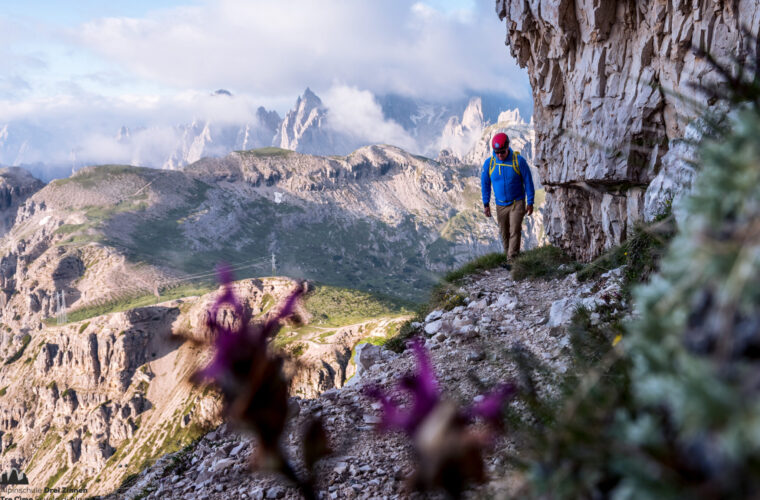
[449, 452]
[490, 407]
[423, 387]
[252, 383]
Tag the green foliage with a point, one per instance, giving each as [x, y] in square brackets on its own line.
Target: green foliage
[134, 301]
[297, 350]
[547, 262]
[55, 477]
[17, 355]
[265, 152]
[69, 228]
[334, 306]
[640, 253]
[397, 343]
[3, 391]
[84, 326]
[128, 481]
[90, 177]
[488, 261]
[464, 222]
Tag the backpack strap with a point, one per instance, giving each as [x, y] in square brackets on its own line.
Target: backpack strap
[515, 164]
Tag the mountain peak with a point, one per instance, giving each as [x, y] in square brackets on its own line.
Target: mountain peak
[309, 98]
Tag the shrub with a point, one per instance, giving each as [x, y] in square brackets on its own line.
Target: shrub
[545, 262]
[17, 355]
[488, 261]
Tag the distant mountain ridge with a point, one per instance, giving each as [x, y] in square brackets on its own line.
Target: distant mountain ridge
[48, 149]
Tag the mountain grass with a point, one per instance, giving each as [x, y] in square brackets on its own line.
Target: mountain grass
[20, 352]
[265, 152]
[482, 263]
[90, 177]
[547, 262]
[333, 306]
[133, 301]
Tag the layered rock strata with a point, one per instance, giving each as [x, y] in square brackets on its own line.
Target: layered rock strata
[613, 86]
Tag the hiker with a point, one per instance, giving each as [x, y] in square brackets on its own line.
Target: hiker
[510, 176]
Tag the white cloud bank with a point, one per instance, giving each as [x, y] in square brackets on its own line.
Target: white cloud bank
[275, 48]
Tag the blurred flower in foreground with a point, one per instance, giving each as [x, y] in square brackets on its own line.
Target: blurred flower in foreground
[448, 447]
[252, 384]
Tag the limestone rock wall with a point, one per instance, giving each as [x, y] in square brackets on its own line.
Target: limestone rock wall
[16, 185]
[612, 88]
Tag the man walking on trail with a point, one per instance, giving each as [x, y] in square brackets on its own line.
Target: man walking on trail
[509, 174]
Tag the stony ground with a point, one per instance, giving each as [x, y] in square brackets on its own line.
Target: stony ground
[468, 346]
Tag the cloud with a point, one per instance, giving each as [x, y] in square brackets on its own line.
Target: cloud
[270, 48]
[72, 131]
[356, 113]
[66, 91]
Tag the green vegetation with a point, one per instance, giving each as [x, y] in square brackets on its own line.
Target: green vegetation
[297, 350]
[17, 355]
[547, 262]
[70, 228]
[488, 261]
[324, 336]
[3, 391]
[92, 176]
[465, 222]
[84, 326]
[267, 301]
[640, 253]
[55, 477]
[127, 482]
[134, 301]
[52, 438]
[265, 152]
[333, 306]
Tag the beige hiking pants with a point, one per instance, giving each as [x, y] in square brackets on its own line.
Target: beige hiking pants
[510, 226]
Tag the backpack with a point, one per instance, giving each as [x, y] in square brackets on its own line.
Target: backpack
[515, 164]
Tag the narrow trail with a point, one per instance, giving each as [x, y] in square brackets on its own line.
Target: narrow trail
[470, 342]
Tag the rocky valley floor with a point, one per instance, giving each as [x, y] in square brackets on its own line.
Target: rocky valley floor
[469, 348]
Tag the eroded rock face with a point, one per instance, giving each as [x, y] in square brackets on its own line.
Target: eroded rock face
[611, 90]
[16, 185]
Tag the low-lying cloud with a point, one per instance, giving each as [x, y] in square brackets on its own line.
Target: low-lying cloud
[356, 114]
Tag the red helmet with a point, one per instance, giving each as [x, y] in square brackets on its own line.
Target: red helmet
[500, 141]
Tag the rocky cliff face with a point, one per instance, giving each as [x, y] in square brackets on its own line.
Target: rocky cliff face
[612, 91]
[94, 400]
[458, 136]
[16, 185]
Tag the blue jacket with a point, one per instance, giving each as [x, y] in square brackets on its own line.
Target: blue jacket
[508, 185]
